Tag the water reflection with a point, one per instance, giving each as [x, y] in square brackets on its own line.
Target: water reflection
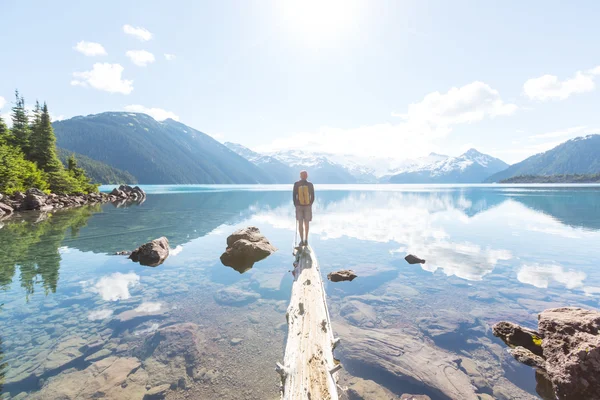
[491, 254]
[33, 243]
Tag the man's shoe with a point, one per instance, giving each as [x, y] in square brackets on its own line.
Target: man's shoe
[306, 243]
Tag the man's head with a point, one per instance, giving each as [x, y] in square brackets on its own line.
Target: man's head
[303, 175]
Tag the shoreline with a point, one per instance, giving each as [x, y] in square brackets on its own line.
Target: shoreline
[36, 200]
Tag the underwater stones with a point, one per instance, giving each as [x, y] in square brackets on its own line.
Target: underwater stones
[570, 351]
[173, 355]
[414, 259]
[359, 314]
[406, 356]
[157, 392]
[98, 355]
[342, 275]
[236, 341]
[245, 247]
[235, 297]
[414, 397]
[111, 378]
[364, 389]
[151, 254]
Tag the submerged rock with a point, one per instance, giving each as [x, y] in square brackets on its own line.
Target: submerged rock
[173, 355]
[235, 297]
[342, 275]
[414, 259]
[153, 253]
[245, 247]
[111, 378]
[570, 348]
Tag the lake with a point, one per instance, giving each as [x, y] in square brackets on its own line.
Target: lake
[492, 253]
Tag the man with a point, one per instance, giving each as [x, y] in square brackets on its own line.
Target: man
[304, 197]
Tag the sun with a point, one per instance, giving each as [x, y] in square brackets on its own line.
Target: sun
[319, 23]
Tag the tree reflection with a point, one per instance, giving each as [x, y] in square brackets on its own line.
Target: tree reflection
[32, 244]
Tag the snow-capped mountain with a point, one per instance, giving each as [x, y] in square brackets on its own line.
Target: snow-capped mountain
[470, 167]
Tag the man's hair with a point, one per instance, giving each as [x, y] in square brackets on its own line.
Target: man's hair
[303, 172]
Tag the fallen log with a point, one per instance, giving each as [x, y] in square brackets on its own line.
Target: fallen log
[309, 370]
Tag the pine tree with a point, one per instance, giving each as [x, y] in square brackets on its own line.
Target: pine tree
[4, 132]
[35, 138]
[45, 144]
[20, 131]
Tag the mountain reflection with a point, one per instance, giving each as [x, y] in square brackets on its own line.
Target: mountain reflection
[464, 232]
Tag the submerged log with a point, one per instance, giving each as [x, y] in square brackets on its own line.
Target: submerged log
[309, 370]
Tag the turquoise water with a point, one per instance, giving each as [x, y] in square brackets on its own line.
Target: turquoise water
[492, 253]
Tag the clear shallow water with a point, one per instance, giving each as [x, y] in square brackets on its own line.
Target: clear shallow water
[493, 252]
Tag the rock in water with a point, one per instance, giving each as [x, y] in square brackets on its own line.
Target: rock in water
[572, 351]
[153, 253]
[569, 339]
[514, 335]
[342, 275]
[5, 209]
[245, 247]
[414, 259]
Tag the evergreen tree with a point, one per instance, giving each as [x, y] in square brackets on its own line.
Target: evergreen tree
[4, 132]
[44, 153]
[20, 131]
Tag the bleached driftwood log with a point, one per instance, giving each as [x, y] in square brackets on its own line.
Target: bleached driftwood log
[309, 370]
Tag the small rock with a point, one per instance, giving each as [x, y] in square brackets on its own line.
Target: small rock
[235, 341]
[414, 259]
[153, 253]
[99, 355]
[158, 392]
[342, 275]
[235, 297]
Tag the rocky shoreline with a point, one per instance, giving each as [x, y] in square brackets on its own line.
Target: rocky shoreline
[35, 199]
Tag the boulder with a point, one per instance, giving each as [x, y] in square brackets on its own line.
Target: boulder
[414, 259]
[245, 247]
[152, 253]
[34, 199]
[522, 355]
[569, 339]
[572, 351]
[342, 275]
[514, 335]
[5, 209]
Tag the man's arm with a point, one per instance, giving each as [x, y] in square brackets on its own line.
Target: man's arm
[311, 192]
[295, 194]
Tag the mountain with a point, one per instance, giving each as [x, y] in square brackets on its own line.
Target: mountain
[97, 171]
[470, 167]
[321, 169]
[576, 156]
[166, 152]
[272, 167]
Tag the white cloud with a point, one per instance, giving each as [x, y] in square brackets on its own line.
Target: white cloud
[423, 122]
[541, 275]
[169, 57]
[90, 48]
[2, 102]
[99, 315]
[141, 33]
[104, 76]
[555, 134]
[116, 286]
[549, 87]
[157, 113]
[140, 58]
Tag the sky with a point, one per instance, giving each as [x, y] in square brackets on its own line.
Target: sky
[377, 78]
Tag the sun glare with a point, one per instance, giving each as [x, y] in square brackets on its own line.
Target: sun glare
[319, 23]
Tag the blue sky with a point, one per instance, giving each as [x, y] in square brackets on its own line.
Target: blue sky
[381, 78]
